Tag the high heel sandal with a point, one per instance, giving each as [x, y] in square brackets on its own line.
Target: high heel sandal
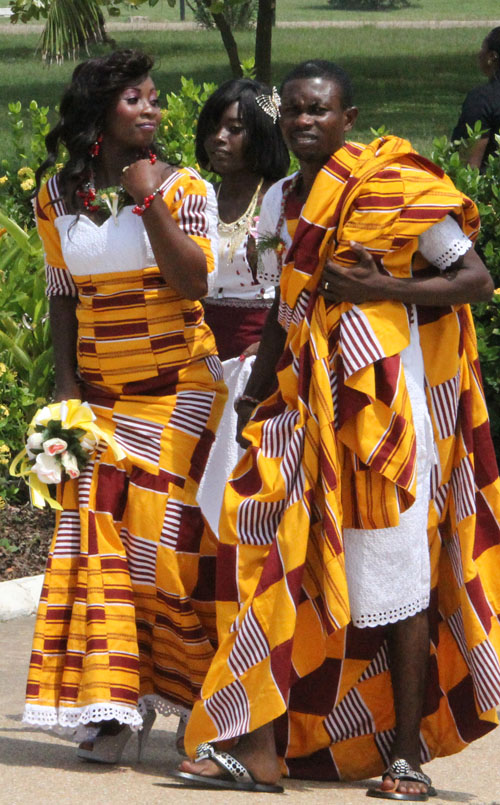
[108, 748]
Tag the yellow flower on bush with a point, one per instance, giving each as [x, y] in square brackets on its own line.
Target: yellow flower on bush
[4, 454]
[2, 503]
[28, 184]
[4, 412]
[4, 179]
[496, 291]
[25, 171]
[3, 369]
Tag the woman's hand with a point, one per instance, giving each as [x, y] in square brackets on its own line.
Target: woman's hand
[252, 349]
[361, 282]
[141, 178]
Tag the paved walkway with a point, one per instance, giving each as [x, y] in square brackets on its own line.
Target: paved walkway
[140, 25]
[41, 769]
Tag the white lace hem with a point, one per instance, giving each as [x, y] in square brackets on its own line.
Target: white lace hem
[81, 723]
[392, 615]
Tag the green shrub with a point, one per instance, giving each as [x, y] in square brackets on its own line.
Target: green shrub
[239, 15]
[26, 363]
[17, 177]
[368, 5]
[177, 130]
[484, 190]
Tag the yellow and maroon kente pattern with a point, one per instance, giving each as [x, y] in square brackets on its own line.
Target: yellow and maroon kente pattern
[127, 614]
[335, 446]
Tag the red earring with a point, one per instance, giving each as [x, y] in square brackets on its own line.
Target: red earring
[96, 147]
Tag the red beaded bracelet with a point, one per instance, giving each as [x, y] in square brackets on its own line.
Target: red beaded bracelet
[140, 209]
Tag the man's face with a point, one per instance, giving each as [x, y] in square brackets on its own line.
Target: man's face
[313, 120]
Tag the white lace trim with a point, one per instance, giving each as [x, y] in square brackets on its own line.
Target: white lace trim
[392, 615]
[152, 701]
[443, 243]
[80, 723]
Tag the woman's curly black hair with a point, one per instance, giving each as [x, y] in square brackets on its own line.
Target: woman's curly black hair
[94, 88]
[265, 149]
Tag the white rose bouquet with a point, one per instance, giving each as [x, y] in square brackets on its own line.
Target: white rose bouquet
[61, 438]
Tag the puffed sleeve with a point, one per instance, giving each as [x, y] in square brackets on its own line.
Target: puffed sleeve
[193, 205]
[268, 266]
[443, 243]
[58, 278]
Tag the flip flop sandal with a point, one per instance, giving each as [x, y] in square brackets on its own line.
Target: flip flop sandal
[235, 776]
[401, 770]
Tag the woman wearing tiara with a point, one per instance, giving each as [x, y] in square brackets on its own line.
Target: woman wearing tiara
[239, 139]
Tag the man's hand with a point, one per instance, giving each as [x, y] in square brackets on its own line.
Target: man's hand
[362, 282]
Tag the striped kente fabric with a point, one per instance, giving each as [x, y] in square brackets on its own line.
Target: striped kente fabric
[335, 447]
[127, 613]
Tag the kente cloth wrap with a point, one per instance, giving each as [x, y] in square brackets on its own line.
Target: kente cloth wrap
[335, 447]
[126, 619]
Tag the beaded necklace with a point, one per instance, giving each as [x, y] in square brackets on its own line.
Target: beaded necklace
[109, 199]
[233, 234]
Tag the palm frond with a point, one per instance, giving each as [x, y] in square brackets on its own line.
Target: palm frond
[71, 25]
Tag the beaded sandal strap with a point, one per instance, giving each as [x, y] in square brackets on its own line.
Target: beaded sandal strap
[224, 761]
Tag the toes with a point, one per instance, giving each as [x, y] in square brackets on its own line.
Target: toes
[203, 767]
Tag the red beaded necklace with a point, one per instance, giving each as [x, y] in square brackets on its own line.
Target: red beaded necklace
[91, 198]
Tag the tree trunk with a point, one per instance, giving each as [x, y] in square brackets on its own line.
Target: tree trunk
[263, 39]
[229, 43]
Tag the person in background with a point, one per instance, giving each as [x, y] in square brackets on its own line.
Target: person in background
[358, 590]
[126, 621]
[483, 103]
[239, 139]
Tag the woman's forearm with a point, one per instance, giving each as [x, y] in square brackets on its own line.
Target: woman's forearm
[64, 329]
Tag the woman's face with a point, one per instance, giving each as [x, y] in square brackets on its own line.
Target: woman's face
[133, 121]
[313, 120]
[225, 146]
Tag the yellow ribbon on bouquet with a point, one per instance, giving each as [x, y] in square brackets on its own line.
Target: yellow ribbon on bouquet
[71, 414]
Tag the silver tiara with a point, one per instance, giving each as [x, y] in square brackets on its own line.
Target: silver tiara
[270, 104]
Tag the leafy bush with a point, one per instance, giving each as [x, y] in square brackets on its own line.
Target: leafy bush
[17, 178]
[368, 5]
[177, 130]
[239, 15]
[26, 367]
[484, 190]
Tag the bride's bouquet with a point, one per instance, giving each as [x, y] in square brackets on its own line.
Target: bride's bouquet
[60, 440]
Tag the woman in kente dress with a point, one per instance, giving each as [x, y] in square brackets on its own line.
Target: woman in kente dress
[126, 622]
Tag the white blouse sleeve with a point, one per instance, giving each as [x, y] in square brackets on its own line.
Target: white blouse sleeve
[443, 243]
[268, 268]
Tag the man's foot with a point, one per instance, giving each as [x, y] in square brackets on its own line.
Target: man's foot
[263, 768]
[402, 781]
[256, 751]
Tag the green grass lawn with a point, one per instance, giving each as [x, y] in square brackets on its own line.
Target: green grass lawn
[411, 83]
[320, 10]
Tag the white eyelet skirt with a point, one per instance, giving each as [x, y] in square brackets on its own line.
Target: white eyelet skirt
[388, 569]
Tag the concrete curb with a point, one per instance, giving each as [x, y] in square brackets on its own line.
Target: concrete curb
[19, 597]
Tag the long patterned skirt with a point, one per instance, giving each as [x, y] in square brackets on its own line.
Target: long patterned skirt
[126, 619]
